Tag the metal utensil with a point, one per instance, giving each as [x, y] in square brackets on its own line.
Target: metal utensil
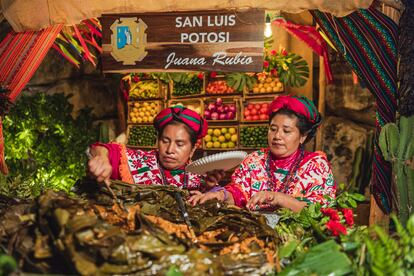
[184, 213]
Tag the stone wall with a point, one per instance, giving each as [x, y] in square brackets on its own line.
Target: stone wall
[349, 120]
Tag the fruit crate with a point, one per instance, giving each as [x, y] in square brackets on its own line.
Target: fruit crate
[143, 112]
[253, 136]
[180, 89]
[142, 136]
[255, 107]
[220, 107]
[219, 135]
[266, 85]
[217, 86]
[147, 89]
[193, 104]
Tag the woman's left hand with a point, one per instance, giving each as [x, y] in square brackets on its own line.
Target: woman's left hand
[213, 178]
[198, 197]
[263, 199]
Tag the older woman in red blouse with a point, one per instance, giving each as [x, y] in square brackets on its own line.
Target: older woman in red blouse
[283, 174]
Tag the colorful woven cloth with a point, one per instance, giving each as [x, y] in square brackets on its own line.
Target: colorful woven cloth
[20, 56]
[367, 39]
[298, 104]
[184, 115]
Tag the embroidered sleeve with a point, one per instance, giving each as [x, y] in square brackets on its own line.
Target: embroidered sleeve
[316, 180]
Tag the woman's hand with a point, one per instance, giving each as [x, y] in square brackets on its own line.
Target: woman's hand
[263, 200]
[199, 198]
[213, 178]
[99, 166]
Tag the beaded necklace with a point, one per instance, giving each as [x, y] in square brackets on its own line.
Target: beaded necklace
[271, 182]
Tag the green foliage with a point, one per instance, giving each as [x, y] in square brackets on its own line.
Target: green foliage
[239, 81]
[7, 264]
[44, 145]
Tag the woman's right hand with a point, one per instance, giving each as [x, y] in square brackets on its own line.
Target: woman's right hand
[100, 168]
[198, 197]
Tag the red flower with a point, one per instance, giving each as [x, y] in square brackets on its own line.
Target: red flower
[284, 52]
[213, 74]
[266, 63]
[135, 79]
[273, 52]
[273, 72]
[336, 227]
[332, 213]
[349, 216]
[200, 76]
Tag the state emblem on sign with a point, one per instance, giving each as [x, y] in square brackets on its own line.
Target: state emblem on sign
[128, 40]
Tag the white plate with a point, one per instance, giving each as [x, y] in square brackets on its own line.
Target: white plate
[219, 161]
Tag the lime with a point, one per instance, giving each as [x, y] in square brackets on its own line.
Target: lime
[231, 144]
[228, 136]
[223, 130]
[223, 145]
[215, 139]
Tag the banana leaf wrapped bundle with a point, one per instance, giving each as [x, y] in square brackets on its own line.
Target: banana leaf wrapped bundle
[134, 229]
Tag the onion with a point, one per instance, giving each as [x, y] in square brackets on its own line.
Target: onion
[219, 101]
[220, 109]
[214, 116]
[211, 107]
[222, 116]
[232, 108]
[207, 114]
[226, 108]
[230, 115]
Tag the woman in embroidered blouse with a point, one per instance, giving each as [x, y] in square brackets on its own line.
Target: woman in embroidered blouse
[282, 175]
[178, 130]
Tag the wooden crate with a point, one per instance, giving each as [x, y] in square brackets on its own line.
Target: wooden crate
[211, 135]
[197, 94]
[161, 92]
[140, 145]
[193, 104]
[261, 88]
[245, 144]
[219, 78]
[226, 100]
[254, 101]
[134, 105]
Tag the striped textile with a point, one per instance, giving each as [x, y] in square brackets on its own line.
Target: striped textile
[368, 40]
[21, 55]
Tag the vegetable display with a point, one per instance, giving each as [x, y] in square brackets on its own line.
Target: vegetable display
[146, 89]
[256, 111]
[142, 136]
[219, 110]
[253, 136]
[143, 112]
[221, 138]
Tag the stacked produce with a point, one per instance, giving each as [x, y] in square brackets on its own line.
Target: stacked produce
[218, 110]
[253, 136]
[256, 111]
[147, 89]
[143, 136]
[190, 88]
[219, 87]
[143, 112]
[193, 105]
[221, 138]
[267, 84]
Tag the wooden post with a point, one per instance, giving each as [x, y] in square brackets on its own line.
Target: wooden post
[321, 102]
[376, 216]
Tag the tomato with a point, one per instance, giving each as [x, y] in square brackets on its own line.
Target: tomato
[253, 111]
[248, 118]
[255, 117]
[263, 117]
[257, 106]
[265, 105]
[246, 113]
[263, 110]
[250, 106]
